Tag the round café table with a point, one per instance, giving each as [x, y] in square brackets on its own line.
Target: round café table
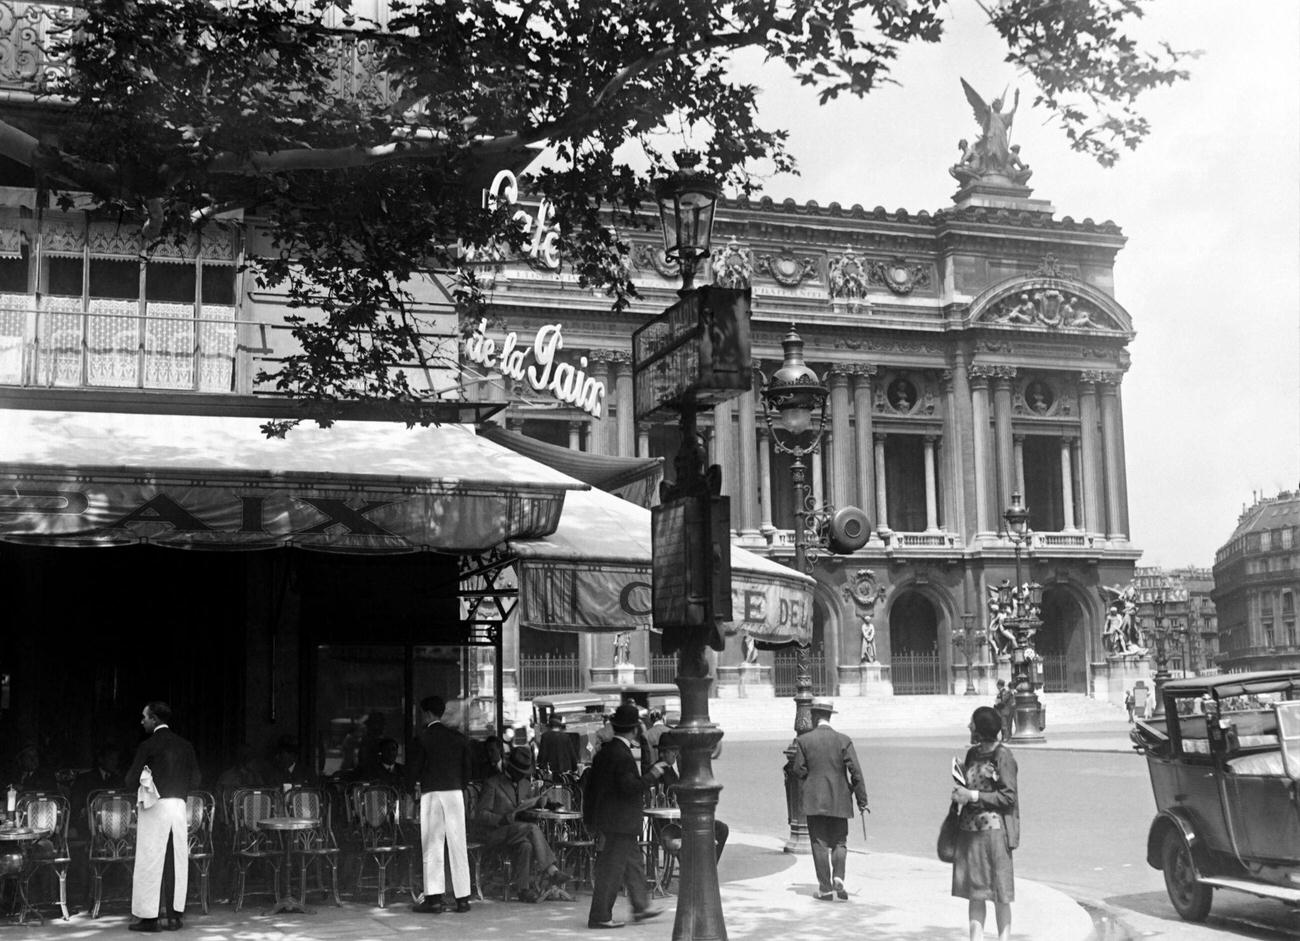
[286, 827]
[555, 826]
[655, 818]
[20, 837]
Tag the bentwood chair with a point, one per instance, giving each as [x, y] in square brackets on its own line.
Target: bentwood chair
[251, 845]
[382, 839]
[200, 809]
[316, 846]
[111, 818]
[48, 815]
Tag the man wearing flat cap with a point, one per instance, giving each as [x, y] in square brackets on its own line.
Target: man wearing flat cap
[612, 806]
[826, 762]
[496, 822]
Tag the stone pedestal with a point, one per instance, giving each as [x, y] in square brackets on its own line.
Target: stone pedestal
[625, 674]
[728, 682]
[622, 675]
[871, 679]
[1114, 676]
[756, 682]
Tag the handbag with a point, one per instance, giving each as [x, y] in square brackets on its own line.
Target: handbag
[147, 794]
[946, 845]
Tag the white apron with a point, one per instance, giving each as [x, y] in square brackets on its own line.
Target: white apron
[153, 825]
[442, 821]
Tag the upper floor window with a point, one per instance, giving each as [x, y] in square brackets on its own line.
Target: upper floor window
[1286, 537]
[78, 307]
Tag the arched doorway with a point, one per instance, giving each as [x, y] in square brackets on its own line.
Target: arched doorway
[1062, 642]
[915, 666]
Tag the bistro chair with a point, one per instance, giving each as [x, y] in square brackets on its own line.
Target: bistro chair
[317, 845]
[111, 818]
[48, 815]
[200, 809]
[251, 845]
[382, 839]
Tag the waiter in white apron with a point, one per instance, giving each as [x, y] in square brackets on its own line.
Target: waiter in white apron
[161, 820]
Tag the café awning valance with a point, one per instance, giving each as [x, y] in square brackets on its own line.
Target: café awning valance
[104, 479]
[593, 574]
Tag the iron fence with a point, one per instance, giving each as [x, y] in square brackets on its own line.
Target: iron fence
[1054, 676]
[916, 674]
[663, 669]
[547, 675]
[785, 673]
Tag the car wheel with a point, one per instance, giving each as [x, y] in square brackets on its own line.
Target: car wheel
[1190, 898]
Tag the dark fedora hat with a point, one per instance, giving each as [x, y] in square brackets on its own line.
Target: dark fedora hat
[521, 759]
[625, 717]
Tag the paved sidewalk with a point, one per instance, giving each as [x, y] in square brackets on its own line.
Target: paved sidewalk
[765, 894]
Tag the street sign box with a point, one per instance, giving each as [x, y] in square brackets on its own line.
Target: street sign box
[696, 352]
[691, 553]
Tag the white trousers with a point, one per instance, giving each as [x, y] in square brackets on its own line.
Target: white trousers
[442, 821]
[166, 817]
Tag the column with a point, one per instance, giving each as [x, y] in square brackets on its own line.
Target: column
[1111, 455]
[642, 440]
[948, 458]
[764, 479]
[866, 468]
[931, 496]
[626, 425]
[1002, 376]
[1067, 485]
[1090, 452]
[598, 429]
[747, 491]
[882, 505]
[841, 478]
[575, 436]
[979, 387]
[1018, 448]
[1123, 458]
[724, 452]
[816, 472]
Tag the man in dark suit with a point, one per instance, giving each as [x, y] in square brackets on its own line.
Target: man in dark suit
[439, 767]
[557, 750]
[105, 775]
[612, 806]
[828, 766]
[161, 848]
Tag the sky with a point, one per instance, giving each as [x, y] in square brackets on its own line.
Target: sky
[1210, 204]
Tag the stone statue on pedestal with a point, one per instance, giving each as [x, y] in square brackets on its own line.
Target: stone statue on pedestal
[991, 158]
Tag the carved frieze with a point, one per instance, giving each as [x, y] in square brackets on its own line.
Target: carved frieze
[898, 275]
[847, 279]
[647, 255]
[889, 346]
[733, 266]
[1047, 307]
[786, 268]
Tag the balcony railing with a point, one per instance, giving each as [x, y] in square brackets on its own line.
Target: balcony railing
[66, 342]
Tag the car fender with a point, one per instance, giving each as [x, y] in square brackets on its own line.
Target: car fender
[1179, 820]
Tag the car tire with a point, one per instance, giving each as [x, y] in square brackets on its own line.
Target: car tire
[1190, 898]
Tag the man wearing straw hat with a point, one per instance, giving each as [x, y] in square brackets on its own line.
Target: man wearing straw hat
[826, 762]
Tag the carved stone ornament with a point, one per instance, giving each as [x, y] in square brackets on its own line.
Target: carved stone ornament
[733, 267]
[905, 393]
[864, 591]
[899, 276]
[649, 255]
[1046, 307]
[1037, 396]
[847, 277]
[786, 268]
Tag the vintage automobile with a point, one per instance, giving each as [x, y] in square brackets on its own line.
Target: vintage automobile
[1224, 761]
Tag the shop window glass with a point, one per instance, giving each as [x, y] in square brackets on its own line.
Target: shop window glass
[14, 304]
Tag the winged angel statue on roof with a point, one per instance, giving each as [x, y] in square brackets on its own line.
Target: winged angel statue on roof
[992, 157]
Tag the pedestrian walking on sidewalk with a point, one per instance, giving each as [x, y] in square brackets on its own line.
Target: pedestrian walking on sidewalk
[1129, 703]
[825, 761]
[989, 827]
[612, 805]
[1005, 703]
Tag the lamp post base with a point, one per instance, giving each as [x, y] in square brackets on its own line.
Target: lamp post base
[1029, 720]
[797, 843]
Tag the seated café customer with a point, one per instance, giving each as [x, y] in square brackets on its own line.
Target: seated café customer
[387, 770]
[496, 824]
[286, 769]
[668, 757]
[29, 775]
[557, 750]
[105, 775]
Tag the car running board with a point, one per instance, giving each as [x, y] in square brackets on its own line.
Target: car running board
[1280, 892]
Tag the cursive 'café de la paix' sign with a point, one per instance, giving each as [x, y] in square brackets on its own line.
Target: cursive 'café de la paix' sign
[537, 364]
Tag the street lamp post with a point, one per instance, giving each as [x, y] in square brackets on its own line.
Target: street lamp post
[1161, 637]
[794, 406]
[968, 642]
[1024, 601]
[686, 201]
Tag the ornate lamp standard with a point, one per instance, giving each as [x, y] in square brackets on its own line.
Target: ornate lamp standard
[1024, 601]
[1162, 634]
[968, 642]
[794, 406]
[686, 199]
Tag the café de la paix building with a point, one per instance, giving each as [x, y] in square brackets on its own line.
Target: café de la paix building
[970, 353]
